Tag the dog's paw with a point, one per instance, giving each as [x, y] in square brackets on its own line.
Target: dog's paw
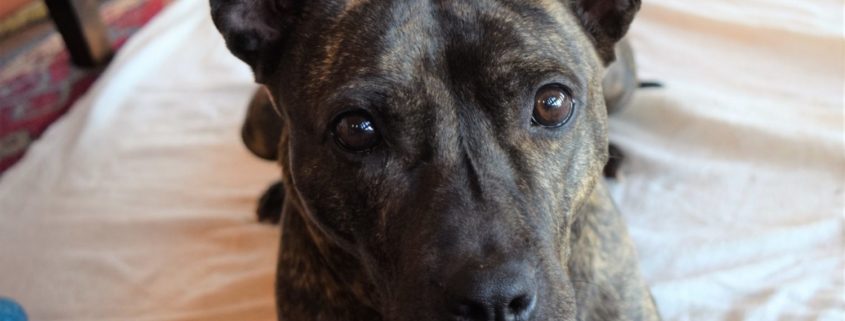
[270, 205]
[614, 161]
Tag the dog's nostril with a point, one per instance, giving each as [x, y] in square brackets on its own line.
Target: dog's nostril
[521, 304]
[518, 308]
[504, 292]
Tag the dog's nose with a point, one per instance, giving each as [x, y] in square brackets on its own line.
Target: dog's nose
[502, 293]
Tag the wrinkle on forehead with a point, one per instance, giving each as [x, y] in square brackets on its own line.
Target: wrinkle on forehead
[412, 44]
[413, 32]
[393, 45]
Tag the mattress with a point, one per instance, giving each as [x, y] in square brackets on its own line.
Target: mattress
[138, 204]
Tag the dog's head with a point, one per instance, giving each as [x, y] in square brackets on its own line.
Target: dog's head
[446, 145]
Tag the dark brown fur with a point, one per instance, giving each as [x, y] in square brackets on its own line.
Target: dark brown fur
[462, 178]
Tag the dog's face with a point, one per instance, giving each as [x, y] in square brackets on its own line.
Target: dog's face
[446, 145]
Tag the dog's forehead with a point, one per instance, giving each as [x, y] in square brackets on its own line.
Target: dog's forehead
[404, 40]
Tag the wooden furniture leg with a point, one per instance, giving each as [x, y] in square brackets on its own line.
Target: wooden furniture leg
[83, 31]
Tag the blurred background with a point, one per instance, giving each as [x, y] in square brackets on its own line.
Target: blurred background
[38, 79]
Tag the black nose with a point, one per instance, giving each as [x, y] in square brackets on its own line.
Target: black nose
[501, 293]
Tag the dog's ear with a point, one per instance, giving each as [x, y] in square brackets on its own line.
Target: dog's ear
[255, 30]
[606, 22]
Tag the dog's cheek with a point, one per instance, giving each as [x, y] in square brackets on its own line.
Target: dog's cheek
[570, 167]
[332, 195]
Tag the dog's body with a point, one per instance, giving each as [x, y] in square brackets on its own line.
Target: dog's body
[419, 183]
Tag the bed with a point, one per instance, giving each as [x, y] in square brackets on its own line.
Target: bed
[138, 204]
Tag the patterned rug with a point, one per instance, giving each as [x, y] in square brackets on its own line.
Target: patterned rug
[38, 83]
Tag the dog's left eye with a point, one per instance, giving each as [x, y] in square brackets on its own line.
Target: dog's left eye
[355, 131]
[553, 106]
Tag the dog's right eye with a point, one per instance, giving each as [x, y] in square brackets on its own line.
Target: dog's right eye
[355, 131]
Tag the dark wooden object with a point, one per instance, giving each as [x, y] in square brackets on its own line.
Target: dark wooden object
[83, 31]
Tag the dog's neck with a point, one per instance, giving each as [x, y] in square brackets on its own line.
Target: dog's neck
[599, 264]
[317, 280]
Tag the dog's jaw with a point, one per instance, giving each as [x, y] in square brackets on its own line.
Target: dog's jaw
[316, 280]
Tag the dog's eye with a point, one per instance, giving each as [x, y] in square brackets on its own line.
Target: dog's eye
[553, 106]
[355, 131]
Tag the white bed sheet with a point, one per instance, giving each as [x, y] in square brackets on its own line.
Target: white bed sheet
[137, 205]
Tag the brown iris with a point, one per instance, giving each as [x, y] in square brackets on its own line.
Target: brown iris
[356, 132]
[553, 106]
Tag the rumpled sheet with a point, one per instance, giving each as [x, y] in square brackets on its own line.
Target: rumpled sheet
[138, 204]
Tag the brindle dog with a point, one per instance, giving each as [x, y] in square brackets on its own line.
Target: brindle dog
[441, 159]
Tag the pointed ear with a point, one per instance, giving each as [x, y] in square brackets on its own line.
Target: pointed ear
[255, 30]
[606, 22]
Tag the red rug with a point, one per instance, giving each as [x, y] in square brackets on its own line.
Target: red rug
[38, 84]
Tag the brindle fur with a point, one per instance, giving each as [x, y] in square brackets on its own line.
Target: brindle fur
[461, 177]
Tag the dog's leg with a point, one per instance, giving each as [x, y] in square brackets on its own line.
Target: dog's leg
[614, 161]
[619, 84]
[261, 132]
[262, 127]
[270, 205]
[620, 81]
